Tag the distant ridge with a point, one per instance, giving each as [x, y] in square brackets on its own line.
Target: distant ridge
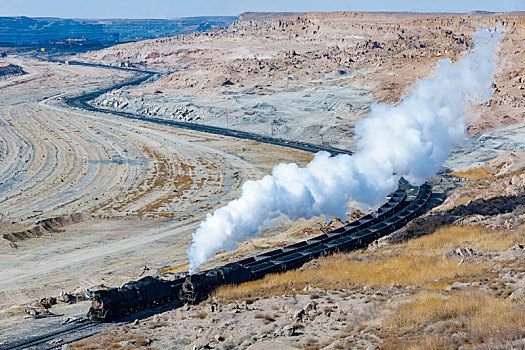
[481, 12]
[253, 16]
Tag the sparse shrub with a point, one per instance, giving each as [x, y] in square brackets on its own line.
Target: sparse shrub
[473, 174]
[200, 315]
[325, 344]
[344, 335]
[158, 324]
[313, 347]
[266, 317]
[338, 346]
[311, 341]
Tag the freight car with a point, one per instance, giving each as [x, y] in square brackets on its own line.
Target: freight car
[133, 296]
[196, 287]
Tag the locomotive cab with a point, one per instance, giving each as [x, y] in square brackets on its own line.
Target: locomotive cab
[99, 310]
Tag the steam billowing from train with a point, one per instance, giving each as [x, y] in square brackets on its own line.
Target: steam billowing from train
[411, 139]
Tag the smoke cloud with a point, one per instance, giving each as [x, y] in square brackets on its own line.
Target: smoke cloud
[411, 139]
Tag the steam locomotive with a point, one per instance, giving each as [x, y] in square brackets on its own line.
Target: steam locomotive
[403, 205]
[112, 303]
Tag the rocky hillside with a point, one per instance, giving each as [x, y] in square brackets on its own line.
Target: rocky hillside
[323, 56]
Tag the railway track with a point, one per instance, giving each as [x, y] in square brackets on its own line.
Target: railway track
[57, 338]
[405, 204]
[82, 102]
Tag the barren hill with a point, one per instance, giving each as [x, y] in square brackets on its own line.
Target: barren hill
[257, 70]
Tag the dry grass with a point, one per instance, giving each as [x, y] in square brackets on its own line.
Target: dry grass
[416, 262]
[338, 272]
[158, 324]
[451, 237]
[111, 341]
[328, 309]
[428, 342]
[266, 317]
[175, 268]
[473, 174]
[481, 316]
[433, 342]
[16, 310]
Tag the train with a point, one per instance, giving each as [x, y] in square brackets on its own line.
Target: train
[403, 205]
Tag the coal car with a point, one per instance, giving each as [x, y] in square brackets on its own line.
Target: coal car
[196, 287]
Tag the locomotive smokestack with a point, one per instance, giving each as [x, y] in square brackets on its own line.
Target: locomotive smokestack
[411, 139]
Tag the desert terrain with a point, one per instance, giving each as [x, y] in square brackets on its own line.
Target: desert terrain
[96, 199]
[89, 193]
[311, 77]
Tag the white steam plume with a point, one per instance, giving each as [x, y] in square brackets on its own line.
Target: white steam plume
[411, 139]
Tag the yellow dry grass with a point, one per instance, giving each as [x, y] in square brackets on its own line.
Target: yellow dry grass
[429, 342]
[416, 262]
[473, 174]
[340, 272]
[111, 340]
[174, 268]
[478, 314]
[16, 310]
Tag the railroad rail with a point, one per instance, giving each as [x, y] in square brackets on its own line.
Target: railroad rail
[403, 205]
[353, 236]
